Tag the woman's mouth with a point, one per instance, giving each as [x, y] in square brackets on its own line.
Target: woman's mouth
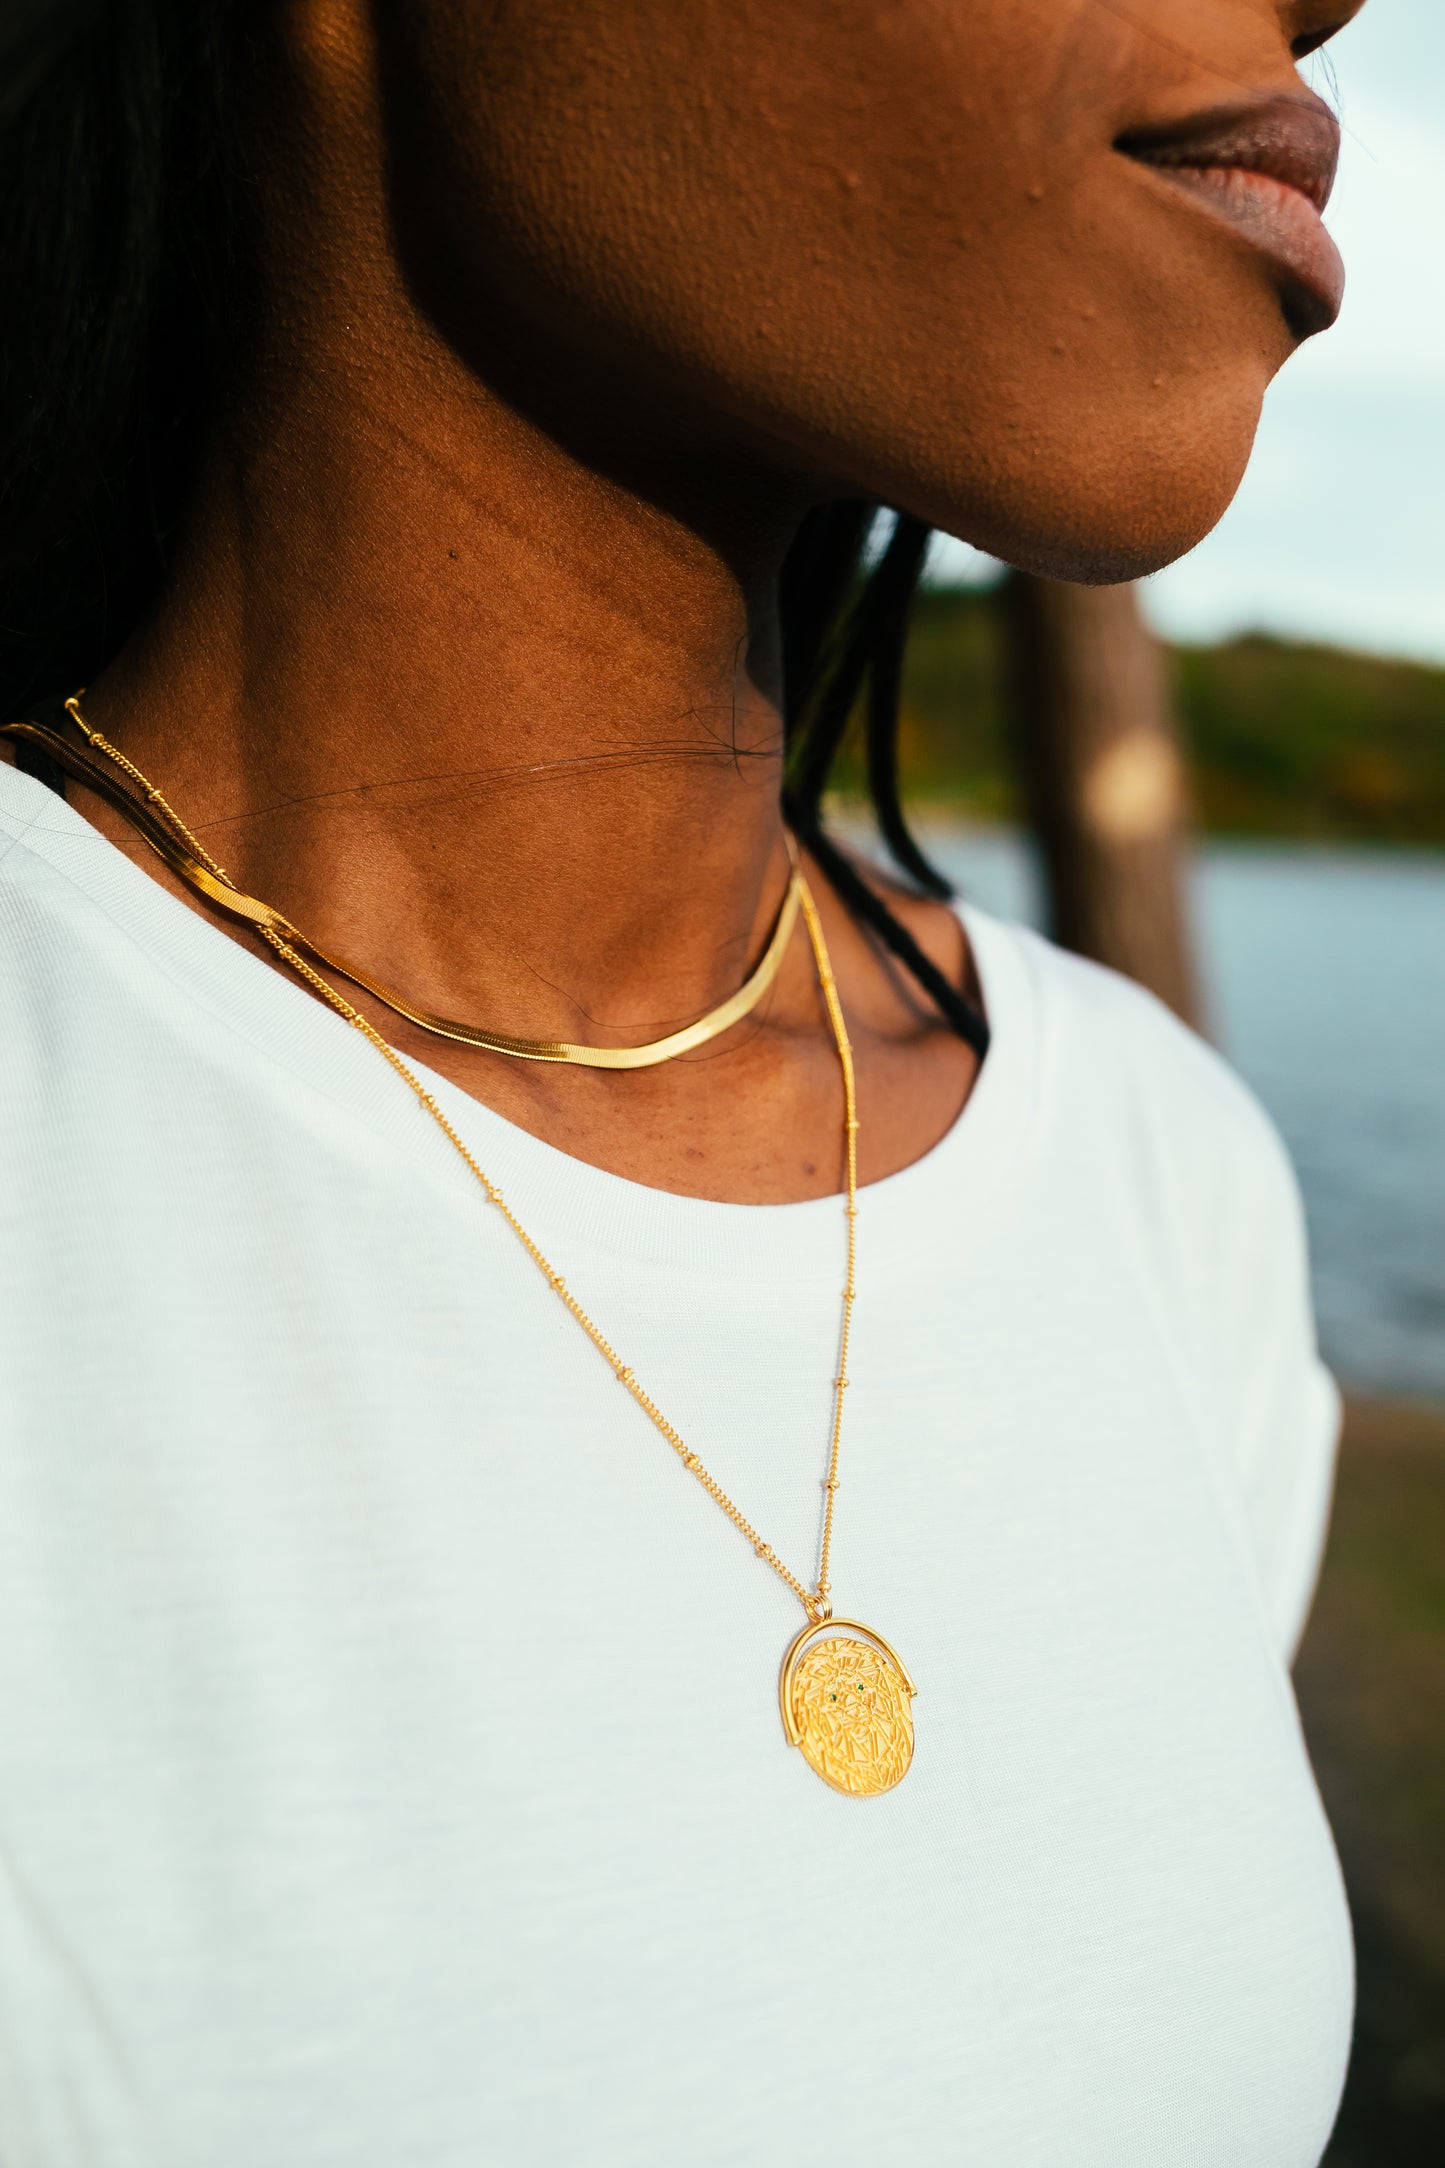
[1267, 170]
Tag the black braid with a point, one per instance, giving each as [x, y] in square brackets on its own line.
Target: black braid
[822, 682]
[837, 676]
[818, 577]
[885, 685]
[869, 908]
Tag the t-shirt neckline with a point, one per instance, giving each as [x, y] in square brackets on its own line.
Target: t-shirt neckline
[965, 1172]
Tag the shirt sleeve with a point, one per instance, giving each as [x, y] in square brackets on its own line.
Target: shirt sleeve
[1220, 1213]
[1289, 1405]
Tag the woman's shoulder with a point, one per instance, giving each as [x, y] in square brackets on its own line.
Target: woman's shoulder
[1143, 1122]
[1117, 1080]
[1190, 1188]
[1116, 1050]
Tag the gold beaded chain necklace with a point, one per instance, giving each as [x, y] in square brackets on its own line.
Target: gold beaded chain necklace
[844, 1694]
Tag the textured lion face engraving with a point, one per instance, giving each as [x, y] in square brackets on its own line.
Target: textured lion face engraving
[853, 1712]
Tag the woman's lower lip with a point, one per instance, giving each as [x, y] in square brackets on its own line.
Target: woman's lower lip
[1283, 225]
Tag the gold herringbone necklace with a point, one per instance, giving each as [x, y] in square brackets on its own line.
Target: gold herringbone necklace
[171, 840]
[844, 1694]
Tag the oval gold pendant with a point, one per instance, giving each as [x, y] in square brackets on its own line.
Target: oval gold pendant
[847, 1701]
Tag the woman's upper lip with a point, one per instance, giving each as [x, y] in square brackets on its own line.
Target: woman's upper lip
[1293, 137]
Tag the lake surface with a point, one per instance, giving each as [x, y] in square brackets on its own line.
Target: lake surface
[1325, 975]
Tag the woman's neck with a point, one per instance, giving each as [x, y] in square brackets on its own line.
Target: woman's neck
[470, 666]
[470, 663]
[503, 727]
[507, 735]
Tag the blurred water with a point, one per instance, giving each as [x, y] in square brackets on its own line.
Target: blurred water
[1325, 971]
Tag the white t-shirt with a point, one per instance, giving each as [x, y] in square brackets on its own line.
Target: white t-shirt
[391, 1773]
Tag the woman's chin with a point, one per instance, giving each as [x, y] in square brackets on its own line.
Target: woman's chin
[1105, 558]
[1111, 520]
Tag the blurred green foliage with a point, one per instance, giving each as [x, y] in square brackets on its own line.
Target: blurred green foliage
[1283, 739]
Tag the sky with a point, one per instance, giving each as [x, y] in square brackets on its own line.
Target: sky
[1338, 532]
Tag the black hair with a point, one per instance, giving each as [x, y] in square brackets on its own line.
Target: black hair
[123, 264]
[121, 261]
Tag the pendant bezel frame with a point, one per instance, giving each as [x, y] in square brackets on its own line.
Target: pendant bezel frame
[792, 1730]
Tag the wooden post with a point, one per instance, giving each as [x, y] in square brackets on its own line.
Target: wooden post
[1103, 782]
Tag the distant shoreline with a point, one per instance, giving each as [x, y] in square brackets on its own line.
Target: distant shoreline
[935, 811]
[1283, 740]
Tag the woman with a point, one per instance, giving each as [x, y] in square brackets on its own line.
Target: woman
[440, 435]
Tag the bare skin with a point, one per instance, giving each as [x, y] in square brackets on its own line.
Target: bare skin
[570, 309]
